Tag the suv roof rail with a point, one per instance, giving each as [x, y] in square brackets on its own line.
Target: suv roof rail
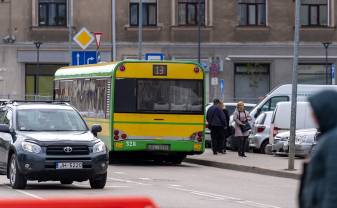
[4, 102]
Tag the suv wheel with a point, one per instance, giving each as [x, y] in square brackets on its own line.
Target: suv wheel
[66, 182]
[17, 179]
[98, 181]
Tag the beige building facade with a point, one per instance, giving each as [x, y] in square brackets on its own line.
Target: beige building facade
[245, 44]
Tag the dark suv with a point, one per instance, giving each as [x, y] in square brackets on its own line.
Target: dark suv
[49, 141]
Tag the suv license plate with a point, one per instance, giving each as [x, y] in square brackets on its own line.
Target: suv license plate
[158, 147]
[69, 165]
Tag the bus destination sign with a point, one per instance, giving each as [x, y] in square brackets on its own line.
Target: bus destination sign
[159, 70]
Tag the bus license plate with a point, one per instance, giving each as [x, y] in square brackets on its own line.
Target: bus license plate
[69, 165]
[158, 147]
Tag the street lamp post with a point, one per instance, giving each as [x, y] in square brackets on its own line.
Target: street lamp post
[140, 30]
[326, 46]
[199, 31]
[37, 45]
[291, 160]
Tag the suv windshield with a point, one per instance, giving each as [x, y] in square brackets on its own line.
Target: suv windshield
[49, 120]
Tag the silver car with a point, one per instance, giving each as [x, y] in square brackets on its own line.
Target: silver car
[259, 136]
[230, 108]
[304, 142]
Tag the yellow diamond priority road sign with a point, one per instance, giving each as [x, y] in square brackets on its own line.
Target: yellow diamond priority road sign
[84, 38]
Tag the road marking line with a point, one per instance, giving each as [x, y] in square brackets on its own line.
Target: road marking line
[223, 197]
[119, 173]
[207, 195]
[174, 185]
[256, 204]
[145, 179]
[29, 194]
[82, 185]
[128, 181]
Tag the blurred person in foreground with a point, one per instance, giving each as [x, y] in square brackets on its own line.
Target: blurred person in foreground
[318, 187]
[217, 123]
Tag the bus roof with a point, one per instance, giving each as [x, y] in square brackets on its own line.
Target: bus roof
[102, 69]
[94, 70]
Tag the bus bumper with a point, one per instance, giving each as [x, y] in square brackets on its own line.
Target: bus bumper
[159, 146]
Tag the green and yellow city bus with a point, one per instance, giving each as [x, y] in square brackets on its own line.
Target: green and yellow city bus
[151, 108]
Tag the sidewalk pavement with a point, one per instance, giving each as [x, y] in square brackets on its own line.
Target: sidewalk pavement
[254, 163]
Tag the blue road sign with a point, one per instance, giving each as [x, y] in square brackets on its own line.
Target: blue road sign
[154, 56]
[222, 86]
[333, 73]
[333, 70]
[83, 57]
[99, 58]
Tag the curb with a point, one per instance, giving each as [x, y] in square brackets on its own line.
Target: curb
[243, 168]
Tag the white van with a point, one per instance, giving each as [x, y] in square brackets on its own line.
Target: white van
[283, 93]
[281, 118]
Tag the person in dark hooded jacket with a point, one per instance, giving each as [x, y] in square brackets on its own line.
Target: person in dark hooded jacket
[319, 184]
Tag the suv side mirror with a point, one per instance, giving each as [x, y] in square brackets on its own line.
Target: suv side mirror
[4, 128]
[96, 128]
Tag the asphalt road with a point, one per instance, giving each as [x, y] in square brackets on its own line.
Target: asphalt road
[187, 185]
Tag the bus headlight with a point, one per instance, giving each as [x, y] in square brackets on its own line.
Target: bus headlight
[99, 147]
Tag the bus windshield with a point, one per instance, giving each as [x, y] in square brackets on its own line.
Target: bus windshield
[156, 96]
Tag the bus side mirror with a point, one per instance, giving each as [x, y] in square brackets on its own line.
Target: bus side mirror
[95, 129]
[258, 112]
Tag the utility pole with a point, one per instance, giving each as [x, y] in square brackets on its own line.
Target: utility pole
[140, 30]
[326, 46]
[113, 30]
[291, 162]
[70, 29]
[199, 31]
[37, 45]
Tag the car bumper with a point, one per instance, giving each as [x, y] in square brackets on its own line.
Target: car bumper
[43, 168]
[255, 142]
[208, 139]
[282, 148]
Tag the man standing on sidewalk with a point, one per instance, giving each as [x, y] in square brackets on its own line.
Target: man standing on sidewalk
[216, 123]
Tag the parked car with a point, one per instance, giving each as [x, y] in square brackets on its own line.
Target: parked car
[304, 142]
[230, 108]
[281, 119]
[259, 136]
[283, 93]
[49, 141]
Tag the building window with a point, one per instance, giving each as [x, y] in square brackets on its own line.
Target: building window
[252, 81]
[314, 13]
[149, 13]
[52, 13]
[252, 12]
[40, 81]
[188, 12]
[314, 74]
